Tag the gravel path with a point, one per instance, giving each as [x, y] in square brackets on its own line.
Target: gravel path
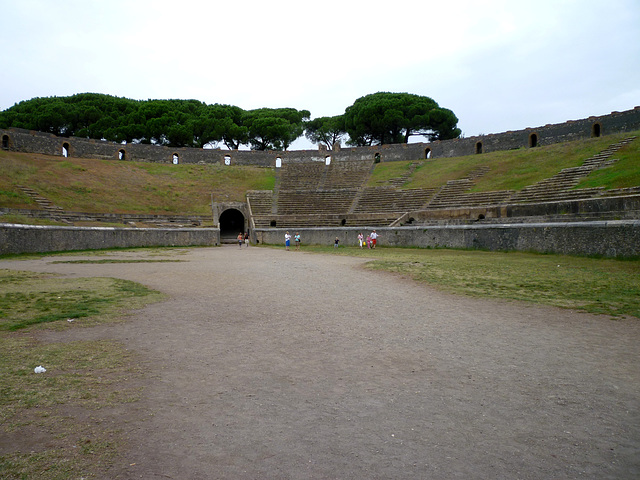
[273, 364]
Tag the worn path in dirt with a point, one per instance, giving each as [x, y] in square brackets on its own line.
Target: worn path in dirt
[272, 364]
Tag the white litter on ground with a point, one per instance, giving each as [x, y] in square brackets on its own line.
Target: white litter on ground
[39, 369]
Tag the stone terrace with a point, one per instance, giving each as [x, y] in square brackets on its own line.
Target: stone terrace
[315, 194]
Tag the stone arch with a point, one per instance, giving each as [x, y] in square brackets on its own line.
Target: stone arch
[175, 159]
[377, 158]
[122, 154]
[596, 130]
[227, 159]
[278, 162]
[478, 147]
[232, 222]
[5, 142]
[66, 149]
[327, 160]
[533, 140]
[427, 153]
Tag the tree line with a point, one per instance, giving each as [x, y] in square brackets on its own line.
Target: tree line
[375, 119]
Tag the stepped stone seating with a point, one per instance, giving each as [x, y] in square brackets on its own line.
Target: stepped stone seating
[42, 202]
[315, 202]
[452, 194]
[301, 176]
[347, 174]
[561, 186]
[472, 199]
[261, 201]
[390, 199]
[618, 192]
[402, 179]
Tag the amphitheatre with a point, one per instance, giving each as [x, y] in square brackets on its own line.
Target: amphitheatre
[329, 194]
[260, 363]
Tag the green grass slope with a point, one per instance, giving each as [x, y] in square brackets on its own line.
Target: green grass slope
[515, 169]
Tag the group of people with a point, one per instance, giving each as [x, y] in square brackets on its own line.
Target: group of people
[370, 242]
[243, 238]
[287, 240]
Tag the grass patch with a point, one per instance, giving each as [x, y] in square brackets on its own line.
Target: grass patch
[29, 299]
[51, 422]
[594, 285]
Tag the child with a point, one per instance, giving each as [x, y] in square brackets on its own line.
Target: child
[335, 244]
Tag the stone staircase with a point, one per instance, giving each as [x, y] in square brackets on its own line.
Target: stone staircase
[43, 203]
[453, 193]
[260, 201]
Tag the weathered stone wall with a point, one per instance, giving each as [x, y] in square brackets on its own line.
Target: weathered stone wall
[38, 142]
[37, 238]
[620, 238]
[610, 239]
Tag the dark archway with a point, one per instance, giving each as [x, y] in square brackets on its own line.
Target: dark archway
[231, 223]
[595, 130]
[122, 155]
[5, 142]
[533, 140]
[66, 150]
[427, 153]
[478, 147]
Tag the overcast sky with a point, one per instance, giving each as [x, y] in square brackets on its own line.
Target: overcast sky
[499, 65]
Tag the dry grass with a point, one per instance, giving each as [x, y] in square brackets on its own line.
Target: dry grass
[89, 185]
[59, 424]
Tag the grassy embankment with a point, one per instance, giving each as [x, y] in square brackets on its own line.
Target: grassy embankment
[515, 169]
[101, 186]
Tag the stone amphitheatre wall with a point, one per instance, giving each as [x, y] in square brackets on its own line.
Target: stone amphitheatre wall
[37, 142]
[40, 238]
[618, 238]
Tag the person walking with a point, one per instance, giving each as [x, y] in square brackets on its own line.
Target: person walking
[374, 239]
[240, 239]
[246, 239]
[287, 240]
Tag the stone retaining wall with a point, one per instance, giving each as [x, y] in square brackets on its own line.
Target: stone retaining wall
[619, 238]
[38, 238]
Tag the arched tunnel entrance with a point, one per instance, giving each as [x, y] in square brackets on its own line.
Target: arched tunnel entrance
[231, 223]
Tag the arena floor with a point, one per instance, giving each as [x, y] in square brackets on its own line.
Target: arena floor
[267, 364]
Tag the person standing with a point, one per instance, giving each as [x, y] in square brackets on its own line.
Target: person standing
[374, 239]
[296, 239]
[336, 242]
[246, 239]
[360, 239]
[287, 240]
[240, 239]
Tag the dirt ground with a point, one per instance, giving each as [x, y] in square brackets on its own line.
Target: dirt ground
[267, 364]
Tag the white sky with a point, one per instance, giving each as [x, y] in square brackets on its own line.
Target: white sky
[498, 64]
